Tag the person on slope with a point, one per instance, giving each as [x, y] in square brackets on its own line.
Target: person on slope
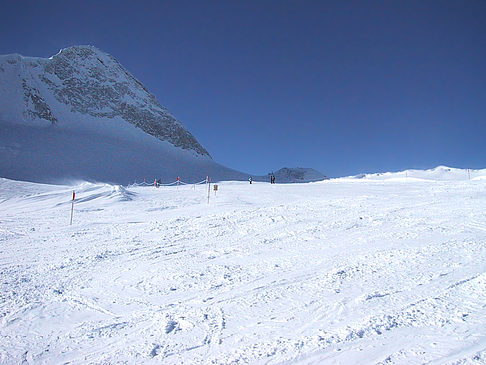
[250, 180]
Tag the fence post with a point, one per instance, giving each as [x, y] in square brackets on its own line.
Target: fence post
[209, 188]
[72, 208]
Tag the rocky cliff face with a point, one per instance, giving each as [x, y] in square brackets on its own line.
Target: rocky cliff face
[89, 82]
[298, 174]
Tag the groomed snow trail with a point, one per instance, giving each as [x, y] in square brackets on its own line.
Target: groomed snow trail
[339, 271]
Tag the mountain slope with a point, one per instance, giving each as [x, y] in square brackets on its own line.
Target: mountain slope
[297, 174]
[80, 114]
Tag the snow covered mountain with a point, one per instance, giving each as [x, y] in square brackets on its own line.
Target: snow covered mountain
[93, 83]
[80, 114]
[297, 174]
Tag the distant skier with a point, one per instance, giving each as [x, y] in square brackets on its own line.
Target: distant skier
[250, 180]
[272, 179]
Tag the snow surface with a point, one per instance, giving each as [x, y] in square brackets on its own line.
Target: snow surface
[341, 271]
[440, 173]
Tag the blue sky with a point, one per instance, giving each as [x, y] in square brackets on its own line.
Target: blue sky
[341, 86]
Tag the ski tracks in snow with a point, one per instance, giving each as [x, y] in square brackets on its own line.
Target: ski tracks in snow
[336, 271]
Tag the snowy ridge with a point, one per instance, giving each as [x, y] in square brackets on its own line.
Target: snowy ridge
[440, 173]
[330, 272]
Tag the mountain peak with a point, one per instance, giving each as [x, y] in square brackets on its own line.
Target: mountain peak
[82, 52]
[80, 48]
[89, 82]
[81, 115]
[298, 174]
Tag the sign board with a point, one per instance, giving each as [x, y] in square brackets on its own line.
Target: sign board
[215, 187]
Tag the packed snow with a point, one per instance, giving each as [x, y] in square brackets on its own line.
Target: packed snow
[389, 270]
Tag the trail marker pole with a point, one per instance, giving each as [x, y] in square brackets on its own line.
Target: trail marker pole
[72, 208]
[469, 173]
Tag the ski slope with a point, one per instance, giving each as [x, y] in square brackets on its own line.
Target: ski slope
[344, 271]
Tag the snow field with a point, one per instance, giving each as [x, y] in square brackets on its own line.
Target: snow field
[339, 271]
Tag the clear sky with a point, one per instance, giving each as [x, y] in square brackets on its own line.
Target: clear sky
[341, 86]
